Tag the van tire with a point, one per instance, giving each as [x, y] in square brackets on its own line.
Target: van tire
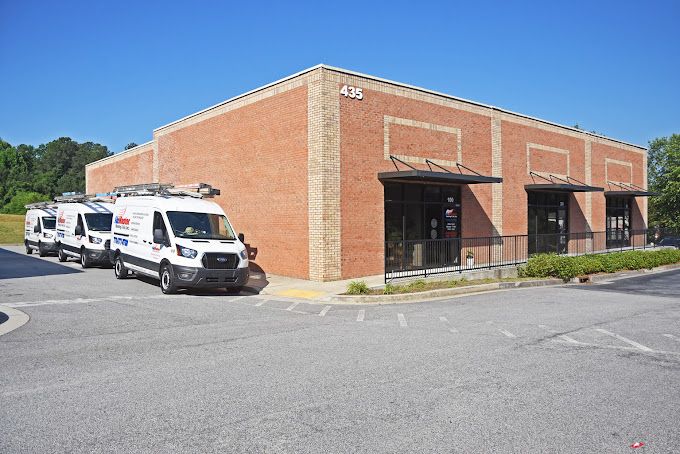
[41, 250]
[119, 269]
[168, 285]
[235, 289]
[84, 261]
[29, 249]
[60, 255]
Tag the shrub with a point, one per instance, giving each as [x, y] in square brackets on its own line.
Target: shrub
[357, 288]
[416, 286]
[566, 267]
[390, 289]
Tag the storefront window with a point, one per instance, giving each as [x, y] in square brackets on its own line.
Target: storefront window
[421, 212]
[415, 213]
[548, 223]
[618, 222]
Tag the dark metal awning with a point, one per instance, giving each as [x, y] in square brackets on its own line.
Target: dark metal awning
[430, 176]
[628, 190]
[561, 185]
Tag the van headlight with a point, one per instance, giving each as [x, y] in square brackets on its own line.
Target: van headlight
[243, 254]
[186, 252]
[95, 240]
[47, 235]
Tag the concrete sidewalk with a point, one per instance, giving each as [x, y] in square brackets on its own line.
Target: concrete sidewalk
[265, 284]
[300, 288]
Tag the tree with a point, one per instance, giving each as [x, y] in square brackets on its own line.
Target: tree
[48, 170]
[17, 205]
[664, 178]
[130, 145]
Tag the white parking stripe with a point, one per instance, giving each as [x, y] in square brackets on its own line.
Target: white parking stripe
[562, 336]
[85, 300]
[507, 333]
[324, 311]
[261, 303]
[624, 339]
[360, 315]
[402, 320]
[238, 298]
[446, 322]
[670, 336]
[292, 306]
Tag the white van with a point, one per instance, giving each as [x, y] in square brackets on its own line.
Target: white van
[174, 235]
[39, 229]
[84, 228]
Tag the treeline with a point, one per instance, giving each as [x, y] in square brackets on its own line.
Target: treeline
[32, 174]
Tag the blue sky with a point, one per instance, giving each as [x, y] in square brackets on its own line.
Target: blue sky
[111, 72]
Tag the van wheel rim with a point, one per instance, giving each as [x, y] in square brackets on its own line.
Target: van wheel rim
[118, 267]
[166, 279]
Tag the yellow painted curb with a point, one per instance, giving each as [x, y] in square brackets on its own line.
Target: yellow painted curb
[298, 293]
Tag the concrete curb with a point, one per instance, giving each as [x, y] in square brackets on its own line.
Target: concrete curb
[439, 293]
[594, 278]
[16, 319]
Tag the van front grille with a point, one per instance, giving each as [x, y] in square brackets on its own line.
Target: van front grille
[220, 261]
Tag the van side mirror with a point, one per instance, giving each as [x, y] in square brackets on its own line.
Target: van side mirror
[79, 230]
[158, 236]
[241, 238]
[36, 229]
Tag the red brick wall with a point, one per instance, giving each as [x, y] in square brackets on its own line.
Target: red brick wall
[514, 138]
[134, 168]
[362, 157]
[257, 156]
[616, 172]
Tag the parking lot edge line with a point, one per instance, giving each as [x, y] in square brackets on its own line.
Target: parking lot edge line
[402, 320]
[625, 339]
[507, 333]
[261, 303]
[324, 311]
[360, 315]
[292, 306]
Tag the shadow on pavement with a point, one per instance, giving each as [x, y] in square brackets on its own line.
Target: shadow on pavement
[658, 284]
[13, 265]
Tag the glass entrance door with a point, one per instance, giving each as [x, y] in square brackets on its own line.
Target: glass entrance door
[618, 222]
[548, 223]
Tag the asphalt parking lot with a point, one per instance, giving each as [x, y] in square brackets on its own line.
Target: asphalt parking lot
[115, 366]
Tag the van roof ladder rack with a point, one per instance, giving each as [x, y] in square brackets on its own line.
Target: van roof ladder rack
[79, 197]
[196, 190]
[40, 205]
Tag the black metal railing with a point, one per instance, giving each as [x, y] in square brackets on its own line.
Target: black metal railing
[410, 258]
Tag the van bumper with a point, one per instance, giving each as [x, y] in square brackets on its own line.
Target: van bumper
[98, 256]
[204, 278]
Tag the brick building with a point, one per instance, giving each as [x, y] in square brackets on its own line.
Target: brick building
[320, 169]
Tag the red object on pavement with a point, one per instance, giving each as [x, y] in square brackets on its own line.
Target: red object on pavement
[637, 444]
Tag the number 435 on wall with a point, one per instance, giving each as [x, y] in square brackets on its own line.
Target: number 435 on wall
[352, 92]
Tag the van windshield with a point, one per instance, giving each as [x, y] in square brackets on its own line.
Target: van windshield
[49, 223]
[99, 222]
[205, 226]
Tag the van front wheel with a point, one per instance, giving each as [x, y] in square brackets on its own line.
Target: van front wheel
[84, 261]
[119, 268]
[62, 257]
[168, 285]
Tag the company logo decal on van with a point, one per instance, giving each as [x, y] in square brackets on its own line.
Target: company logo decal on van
[121, 241]
[61, 219]
[121, 219]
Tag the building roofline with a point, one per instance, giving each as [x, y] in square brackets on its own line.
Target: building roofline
[392, 82]
[263, 87]
[488, 106]
[120, 153]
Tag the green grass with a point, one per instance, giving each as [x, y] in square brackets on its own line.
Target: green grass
[11, 228]
[421, 285]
